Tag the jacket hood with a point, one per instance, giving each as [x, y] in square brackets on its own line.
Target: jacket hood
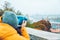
[10, 18]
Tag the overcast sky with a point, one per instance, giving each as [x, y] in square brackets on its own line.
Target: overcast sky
[39, 7]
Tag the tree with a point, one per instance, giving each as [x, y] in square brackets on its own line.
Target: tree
[18, 13]
[1, 12]
[29, 24]
[7, 7]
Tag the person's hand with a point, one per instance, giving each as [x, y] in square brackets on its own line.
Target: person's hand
[24, 23]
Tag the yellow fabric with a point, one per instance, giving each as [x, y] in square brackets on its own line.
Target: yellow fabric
[24, 33]
[7, 32]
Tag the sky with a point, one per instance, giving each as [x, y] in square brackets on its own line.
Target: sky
[36, 7]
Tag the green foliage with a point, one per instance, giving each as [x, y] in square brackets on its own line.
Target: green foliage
[29, 24]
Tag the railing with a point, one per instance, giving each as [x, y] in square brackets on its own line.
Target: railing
[42, 35]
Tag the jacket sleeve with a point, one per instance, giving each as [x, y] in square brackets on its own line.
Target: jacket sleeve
[24, 33]
[9, 33]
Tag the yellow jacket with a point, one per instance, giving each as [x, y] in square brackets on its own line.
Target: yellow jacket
[0, 19]
[7, 32]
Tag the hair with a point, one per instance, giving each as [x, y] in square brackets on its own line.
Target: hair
[46, 23]
[10, 18]
[40, 27]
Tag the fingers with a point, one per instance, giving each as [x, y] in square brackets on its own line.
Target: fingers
[24, 23]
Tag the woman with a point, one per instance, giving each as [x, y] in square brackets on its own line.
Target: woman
[8, 27]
